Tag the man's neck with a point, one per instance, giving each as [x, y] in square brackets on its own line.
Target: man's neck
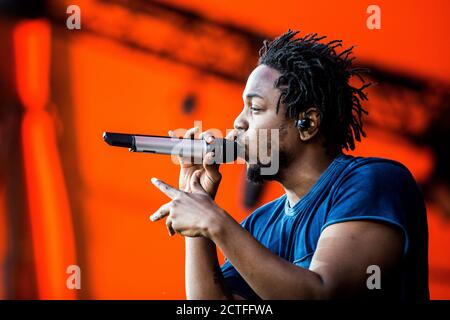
[303, 172]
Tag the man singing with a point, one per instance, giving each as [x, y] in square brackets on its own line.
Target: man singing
[345, 228]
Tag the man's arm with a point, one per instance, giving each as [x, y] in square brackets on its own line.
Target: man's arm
[203, 275]
[338, 267]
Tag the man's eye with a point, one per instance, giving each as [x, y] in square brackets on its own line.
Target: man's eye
[255, 109]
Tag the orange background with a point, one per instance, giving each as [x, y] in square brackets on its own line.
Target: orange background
[88, 204]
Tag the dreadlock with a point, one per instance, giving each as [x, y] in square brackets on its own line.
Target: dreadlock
[314, 75]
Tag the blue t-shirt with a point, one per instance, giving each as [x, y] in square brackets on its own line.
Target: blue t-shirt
[351, 188]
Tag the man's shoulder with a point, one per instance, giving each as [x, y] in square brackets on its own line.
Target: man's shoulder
[377, 169]
[373, 178]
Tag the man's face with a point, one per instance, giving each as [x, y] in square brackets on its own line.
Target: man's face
[260, 112]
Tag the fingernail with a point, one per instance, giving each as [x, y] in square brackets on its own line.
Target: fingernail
[152, 218]
[154, 180]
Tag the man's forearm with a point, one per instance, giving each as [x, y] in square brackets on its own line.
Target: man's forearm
[203, 275]
[270, 276]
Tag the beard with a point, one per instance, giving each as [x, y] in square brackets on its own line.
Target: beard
[255, 175]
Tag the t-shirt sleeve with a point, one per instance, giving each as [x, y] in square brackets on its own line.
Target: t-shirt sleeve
[378, 191]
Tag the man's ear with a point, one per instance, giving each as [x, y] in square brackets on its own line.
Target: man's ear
[314, 118]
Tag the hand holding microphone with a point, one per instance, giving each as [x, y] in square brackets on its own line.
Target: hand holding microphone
[208, 170]
[203, 155]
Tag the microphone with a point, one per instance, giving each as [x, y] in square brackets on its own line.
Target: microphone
[224, 150]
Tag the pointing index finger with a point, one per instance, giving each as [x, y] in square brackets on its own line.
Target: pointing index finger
[167, 189]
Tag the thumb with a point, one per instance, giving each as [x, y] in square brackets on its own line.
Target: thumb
[195, 182]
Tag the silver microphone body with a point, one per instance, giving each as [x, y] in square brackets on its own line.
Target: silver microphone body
[195, 149]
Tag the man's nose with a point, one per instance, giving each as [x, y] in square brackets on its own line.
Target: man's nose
[240, 124]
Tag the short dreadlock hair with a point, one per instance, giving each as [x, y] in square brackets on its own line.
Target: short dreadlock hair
[313, 74]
